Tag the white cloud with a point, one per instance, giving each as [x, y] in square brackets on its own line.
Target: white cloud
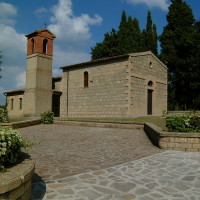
[13, 45]
[21, 80]
[13, 49]
[66, 57]
[41, 10]
[162, 4]
[7, 11]
[71, 30]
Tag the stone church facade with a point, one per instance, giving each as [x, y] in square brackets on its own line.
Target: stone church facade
[122, 86]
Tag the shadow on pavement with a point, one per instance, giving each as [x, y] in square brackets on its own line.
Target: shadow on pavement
[38, 187]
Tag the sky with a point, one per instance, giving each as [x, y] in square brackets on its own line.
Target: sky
[77, 24]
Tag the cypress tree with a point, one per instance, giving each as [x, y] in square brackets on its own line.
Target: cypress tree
[155, 40]
[149, 32]
[151, 35]
[177, 42]
[128, 39]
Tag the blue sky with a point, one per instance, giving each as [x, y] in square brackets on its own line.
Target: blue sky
[78, 25]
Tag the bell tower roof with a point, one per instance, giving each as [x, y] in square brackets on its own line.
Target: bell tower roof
[40, 41]
[41, 32]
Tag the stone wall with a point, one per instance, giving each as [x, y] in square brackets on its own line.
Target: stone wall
[145, 67]
[105, 96]
[171, 140]
[15, 110]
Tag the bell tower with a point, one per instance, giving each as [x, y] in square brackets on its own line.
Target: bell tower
[38, 93]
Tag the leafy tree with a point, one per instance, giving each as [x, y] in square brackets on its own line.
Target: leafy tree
[177, 42]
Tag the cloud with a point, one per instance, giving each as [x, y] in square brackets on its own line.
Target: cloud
[40, 11]
[71, 31]
[7, 12]
[21, 80]
[162, 4]
[13, 45]
[13, 50]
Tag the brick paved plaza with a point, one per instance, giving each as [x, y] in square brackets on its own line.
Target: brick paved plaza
[80, 163]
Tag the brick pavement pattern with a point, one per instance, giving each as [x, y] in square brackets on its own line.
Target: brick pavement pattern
[68, 150]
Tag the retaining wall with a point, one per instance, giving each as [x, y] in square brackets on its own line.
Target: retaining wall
[101, 124]
[172, 140]
[15, 183]
[21, 124]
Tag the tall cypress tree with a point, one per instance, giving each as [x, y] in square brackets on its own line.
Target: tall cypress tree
[150, 36]
[195, 69]
[155, 40]
[149, 32]
[177, 42]
[128, 39]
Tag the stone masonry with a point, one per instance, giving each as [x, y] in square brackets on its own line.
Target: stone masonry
[120, 86]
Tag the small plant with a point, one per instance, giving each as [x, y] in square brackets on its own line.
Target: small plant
[183, 123]
[11, 144]
[4, 116]
[47, 117]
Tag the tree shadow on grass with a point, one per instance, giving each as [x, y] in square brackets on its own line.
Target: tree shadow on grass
[38, 187]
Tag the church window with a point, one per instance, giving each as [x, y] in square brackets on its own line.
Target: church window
[150, 83]
[12, 104]
[33, 45]
[20, 103]
[45, 42]
[86, 78]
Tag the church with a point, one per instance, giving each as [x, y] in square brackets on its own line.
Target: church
[128, 85]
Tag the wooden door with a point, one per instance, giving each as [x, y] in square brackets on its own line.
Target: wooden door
[149, 102]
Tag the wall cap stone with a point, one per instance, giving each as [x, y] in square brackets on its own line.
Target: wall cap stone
[15, 176]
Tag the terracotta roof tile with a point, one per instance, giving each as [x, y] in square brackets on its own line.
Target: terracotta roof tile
[15, 91]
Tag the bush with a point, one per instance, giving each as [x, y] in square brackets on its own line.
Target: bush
[11, 143]
[4, 116]
[183, 123]
[47, 117]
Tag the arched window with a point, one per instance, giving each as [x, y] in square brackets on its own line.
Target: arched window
[150, 83]
[45, 41]
[33, 45]
[86, 78]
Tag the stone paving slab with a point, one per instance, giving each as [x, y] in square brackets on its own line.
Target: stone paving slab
[168, 176]
[69, 150]
[85, 163]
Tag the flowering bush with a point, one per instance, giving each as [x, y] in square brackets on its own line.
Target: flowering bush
[11, 143]
[183, 123]
[4, 116]
[47, 117]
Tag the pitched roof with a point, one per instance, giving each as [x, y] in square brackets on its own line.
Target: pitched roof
[15, 91]
[102, 60]
[39, 31]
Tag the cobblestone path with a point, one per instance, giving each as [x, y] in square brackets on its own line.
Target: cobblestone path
[86, 163]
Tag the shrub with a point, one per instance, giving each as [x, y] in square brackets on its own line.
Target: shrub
[183, 123]
[4, 116]
[11, 143]
[47, 117]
